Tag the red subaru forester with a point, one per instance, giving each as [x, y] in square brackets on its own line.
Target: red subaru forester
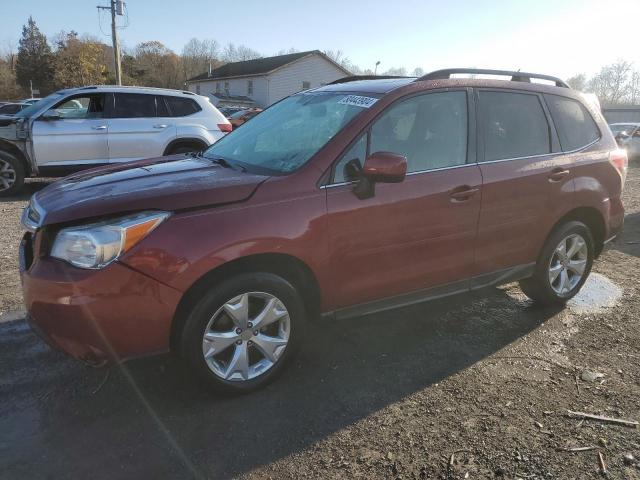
[359, 196]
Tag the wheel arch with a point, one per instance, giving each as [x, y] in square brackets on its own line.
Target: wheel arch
[11, 149]
[185, 141]
[592, 218]
[291, 268]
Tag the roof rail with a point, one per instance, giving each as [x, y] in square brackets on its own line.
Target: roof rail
[355, 78]
[515, 76]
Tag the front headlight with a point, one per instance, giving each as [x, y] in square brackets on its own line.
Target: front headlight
[97, 244]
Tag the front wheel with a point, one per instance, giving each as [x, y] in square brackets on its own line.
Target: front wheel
[563, 266]
[242, 332]
[11, 174]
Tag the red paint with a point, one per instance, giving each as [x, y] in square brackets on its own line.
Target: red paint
[430, 229]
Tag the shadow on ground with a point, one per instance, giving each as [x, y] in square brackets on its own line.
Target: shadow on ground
[151, 420]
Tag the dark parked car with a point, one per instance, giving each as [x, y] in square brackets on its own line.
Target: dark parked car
[243, 116]
[12, 108]
[351, 198]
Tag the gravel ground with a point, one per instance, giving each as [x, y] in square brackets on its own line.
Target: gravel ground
[469, 387]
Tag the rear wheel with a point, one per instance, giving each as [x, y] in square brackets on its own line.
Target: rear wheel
[563, 267]
[11, 174]
[243, 331]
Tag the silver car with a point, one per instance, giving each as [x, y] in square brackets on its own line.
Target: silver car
[628, 137]
[86, 127]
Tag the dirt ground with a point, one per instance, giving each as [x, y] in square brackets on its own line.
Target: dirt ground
[476, 386]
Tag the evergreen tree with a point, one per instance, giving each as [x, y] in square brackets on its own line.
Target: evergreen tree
[35, 60]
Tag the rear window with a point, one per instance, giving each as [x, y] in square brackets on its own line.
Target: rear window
[574, 124]
[514, 125]
[181, 107]
[134, 105]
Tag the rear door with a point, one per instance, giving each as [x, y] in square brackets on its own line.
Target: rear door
[526, 180]
[79, 136]
[135, 129]
[418, 233]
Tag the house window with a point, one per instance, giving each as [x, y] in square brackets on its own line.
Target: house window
[249, 87]
[197, 89]
[306, 85]
[226, 88]
[217, 87]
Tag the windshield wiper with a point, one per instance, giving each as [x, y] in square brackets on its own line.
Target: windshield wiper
[226, 164]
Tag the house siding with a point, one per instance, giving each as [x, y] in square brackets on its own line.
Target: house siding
[313, 69]
[237, 86]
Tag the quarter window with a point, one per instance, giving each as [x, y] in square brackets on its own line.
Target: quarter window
[350, 160]
[514, 125]
[430, 130]
[134, 105]
[181, 107]
[574, 124]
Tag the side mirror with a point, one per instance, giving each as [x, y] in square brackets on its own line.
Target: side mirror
[383, 167]
[50, 115]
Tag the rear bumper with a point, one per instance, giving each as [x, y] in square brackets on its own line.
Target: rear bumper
[96, 315]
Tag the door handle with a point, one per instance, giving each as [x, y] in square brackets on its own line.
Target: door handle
[558, 174]
[462, 194]
[100, 127]
[160, 125]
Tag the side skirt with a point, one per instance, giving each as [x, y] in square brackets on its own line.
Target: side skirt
[492, 279]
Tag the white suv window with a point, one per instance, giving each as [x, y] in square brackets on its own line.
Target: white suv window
[134, 105]
[85, 106]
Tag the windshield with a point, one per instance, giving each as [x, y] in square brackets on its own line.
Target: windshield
[238, 114]
[285, 136]
[37, 106]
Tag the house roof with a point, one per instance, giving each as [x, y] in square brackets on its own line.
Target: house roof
[259, 66]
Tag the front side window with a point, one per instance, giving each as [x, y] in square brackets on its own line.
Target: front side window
[574, 124]
[286, 135]
[134, 105]
[430, 130]
[514, 125]
[85, 106]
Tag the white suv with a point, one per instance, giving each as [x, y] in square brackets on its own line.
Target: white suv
[85, 127]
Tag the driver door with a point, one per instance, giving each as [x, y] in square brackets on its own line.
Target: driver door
[78, 136]
[417, 234]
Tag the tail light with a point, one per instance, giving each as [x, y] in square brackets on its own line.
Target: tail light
[225, 127]
[619, 159]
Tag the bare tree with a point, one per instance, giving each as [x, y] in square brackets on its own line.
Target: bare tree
[418, 72]
[240, 53]
[396, 71]
[611, 84]
[578, 82]
[341, 59]
[199, 55]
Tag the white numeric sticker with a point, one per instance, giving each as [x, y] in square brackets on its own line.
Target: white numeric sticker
[358, 101]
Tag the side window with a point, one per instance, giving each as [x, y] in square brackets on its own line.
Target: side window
[430, 130]
[576, 128]
[181, 107]
[514, 125]
[356, 153]
[87, 106]
[134, 105]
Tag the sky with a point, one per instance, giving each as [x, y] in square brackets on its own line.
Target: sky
[556, 37]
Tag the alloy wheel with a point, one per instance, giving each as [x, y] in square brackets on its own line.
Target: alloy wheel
[246, 336]
[568, 264]
[7, 175]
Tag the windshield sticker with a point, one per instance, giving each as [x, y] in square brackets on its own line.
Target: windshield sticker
[358, 101]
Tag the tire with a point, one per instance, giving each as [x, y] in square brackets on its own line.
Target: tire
[12, 173]
[184, 148]
[557, 276]
[224, 370]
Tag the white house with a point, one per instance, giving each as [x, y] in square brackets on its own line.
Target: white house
[264, 81]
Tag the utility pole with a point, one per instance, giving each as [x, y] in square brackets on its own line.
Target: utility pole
[116, 8]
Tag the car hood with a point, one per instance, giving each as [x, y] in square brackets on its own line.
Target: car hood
[167, 183]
